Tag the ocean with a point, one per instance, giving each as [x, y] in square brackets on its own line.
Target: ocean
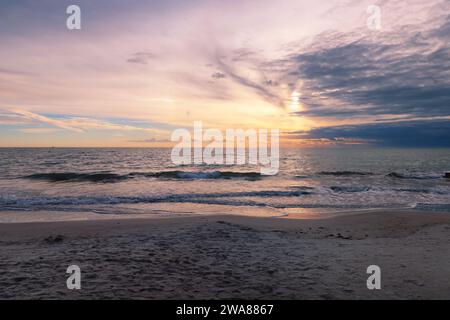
[136, 181]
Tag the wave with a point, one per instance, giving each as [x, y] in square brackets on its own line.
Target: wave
[422, 190]
[112, 177]
[441, 207]
[398, 175]
[177, 174]
[414, 190]
[349, 189]
[345, 173]
[302, 188]
[188, 197]
[76, 177]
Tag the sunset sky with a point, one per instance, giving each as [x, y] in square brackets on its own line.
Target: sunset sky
[137, 70]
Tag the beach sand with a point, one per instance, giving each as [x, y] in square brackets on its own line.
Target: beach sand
[225, 257]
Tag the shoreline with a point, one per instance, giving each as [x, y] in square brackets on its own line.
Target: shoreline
[230, 256]
[43, 216]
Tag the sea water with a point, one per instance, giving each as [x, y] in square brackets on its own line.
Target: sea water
[135, 181]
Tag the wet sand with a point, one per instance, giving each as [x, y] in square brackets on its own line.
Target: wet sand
[226, 257]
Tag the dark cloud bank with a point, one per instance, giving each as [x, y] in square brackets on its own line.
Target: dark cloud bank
[433, 133]
[404, 74]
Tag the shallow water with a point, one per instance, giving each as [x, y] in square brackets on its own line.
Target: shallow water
[134, 181]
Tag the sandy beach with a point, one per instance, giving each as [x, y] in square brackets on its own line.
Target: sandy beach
[227, 257]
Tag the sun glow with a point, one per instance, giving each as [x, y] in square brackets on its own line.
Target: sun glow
[295, 104]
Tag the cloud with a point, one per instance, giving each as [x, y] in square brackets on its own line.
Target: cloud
[43, 119]
[260, 89]
[218, 75]
[243, 54]
[88, 123]
[141, 57]
[429, 133]
[77, 124]
[271, 83]
[152, 140]
[16, 72]
[13, 119]
[404, 72]
[37, 130]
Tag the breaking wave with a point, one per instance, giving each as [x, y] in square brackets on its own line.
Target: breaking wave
[72, 176]
[349, 189]
[108, 177]
[398, 175]
[199, 175]
[188, 197]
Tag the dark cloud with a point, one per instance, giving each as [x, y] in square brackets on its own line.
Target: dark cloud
[406, 72]
[430, 133]
[218, 75]
[141, 57]
[271, 83]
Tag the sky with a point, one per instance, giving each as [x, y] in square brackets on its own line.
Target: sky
[319, 71]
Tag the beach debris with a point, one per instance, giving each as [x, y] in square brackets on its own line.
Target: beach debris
[447, 175]
[338, 236]
[54, 239]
